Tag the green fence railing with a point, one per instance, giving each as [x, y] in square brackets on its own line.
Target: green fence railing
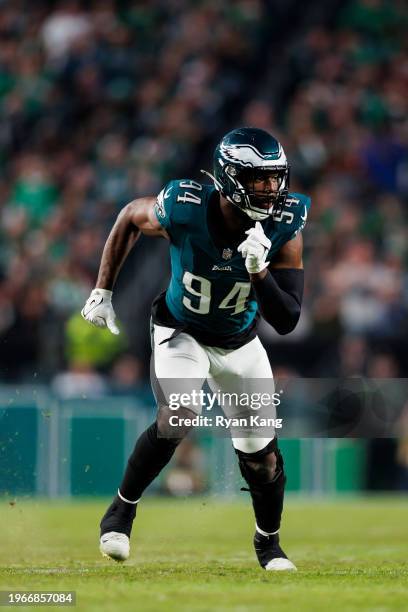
[53, 447]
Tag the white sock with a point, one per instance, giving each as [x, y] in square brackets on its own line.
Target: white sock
[128, 500]
[265, 533]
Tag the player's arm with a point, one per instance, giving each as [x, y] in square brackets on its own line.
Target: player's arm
[290, 255]
[135, 218]
[279, 287]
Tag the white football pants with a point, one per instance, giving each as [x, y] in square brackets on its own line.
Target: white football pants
[227, 370]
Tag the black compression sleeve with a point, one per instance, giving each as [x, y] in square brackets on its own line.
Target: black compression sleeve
[279, 297]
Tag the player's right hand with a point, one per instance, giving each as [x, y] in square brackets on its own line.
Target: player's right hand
[98, 310]
[255, 249]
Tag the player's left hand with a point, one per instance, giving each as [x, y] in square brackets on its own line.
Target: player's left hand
[255, 249]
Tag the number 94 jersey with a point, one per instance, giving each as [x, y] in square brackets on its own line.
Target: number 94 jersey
[210, 292]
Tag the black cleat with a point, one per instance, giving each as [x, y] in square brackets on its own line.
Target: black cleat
[270, 555]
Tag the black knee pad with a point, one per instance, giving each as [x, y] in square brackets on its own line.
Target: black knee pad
[263, 467]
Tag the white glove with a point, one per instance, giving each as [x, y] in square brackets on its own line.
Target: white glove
[98, 310]
[255, 249]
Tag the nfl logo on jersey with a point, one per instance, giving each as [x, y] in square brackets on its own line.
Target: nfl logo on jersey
[227, 253]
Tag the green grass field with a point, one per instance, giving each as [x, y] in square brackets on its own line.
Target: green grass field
[197, 555]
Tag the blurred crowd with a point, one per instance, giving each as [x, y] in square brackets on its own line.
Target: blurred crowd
[106, 101]
[345, 129]
[101, 102]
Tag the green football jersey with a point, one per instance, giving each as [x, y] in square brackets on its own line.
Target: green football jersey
[210, 291]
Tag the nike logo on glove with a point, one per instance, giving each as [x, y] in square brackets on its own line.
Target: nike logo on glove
[92, 305]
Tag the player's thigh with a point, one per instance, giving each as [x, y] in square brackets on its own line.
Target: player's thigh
[243, 371]
[246, 362]
[246, 387]
[178, 368]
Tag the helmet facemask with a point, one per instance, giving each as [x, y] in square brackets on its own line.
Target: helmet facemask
[257, 191]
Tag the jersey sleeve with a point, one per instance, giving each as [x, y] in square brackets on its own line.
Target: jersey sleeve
[288, 221]
[291, 219]
[164, 207]
[177, 206]
[301, 207]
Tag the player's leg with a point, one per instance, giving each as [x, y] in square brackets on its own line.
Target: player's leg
[247, 371]
[180, 364]
[264, 473]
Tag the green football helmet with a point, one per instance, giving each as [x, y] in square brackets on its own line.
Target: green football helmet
[246, 159]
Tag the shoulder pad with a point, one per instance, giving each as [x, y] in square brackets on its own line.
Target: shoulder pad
[291, 217]
[176, 203]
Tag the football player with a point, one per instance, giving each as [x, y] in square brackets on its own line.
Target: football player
[236, 254]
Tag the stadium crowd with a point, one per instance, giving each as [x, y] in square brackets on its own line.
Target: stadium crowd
[346, 134]
[105, 101]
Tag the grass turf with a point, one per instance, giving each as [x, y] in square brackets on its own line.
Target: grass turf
[197, 555]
